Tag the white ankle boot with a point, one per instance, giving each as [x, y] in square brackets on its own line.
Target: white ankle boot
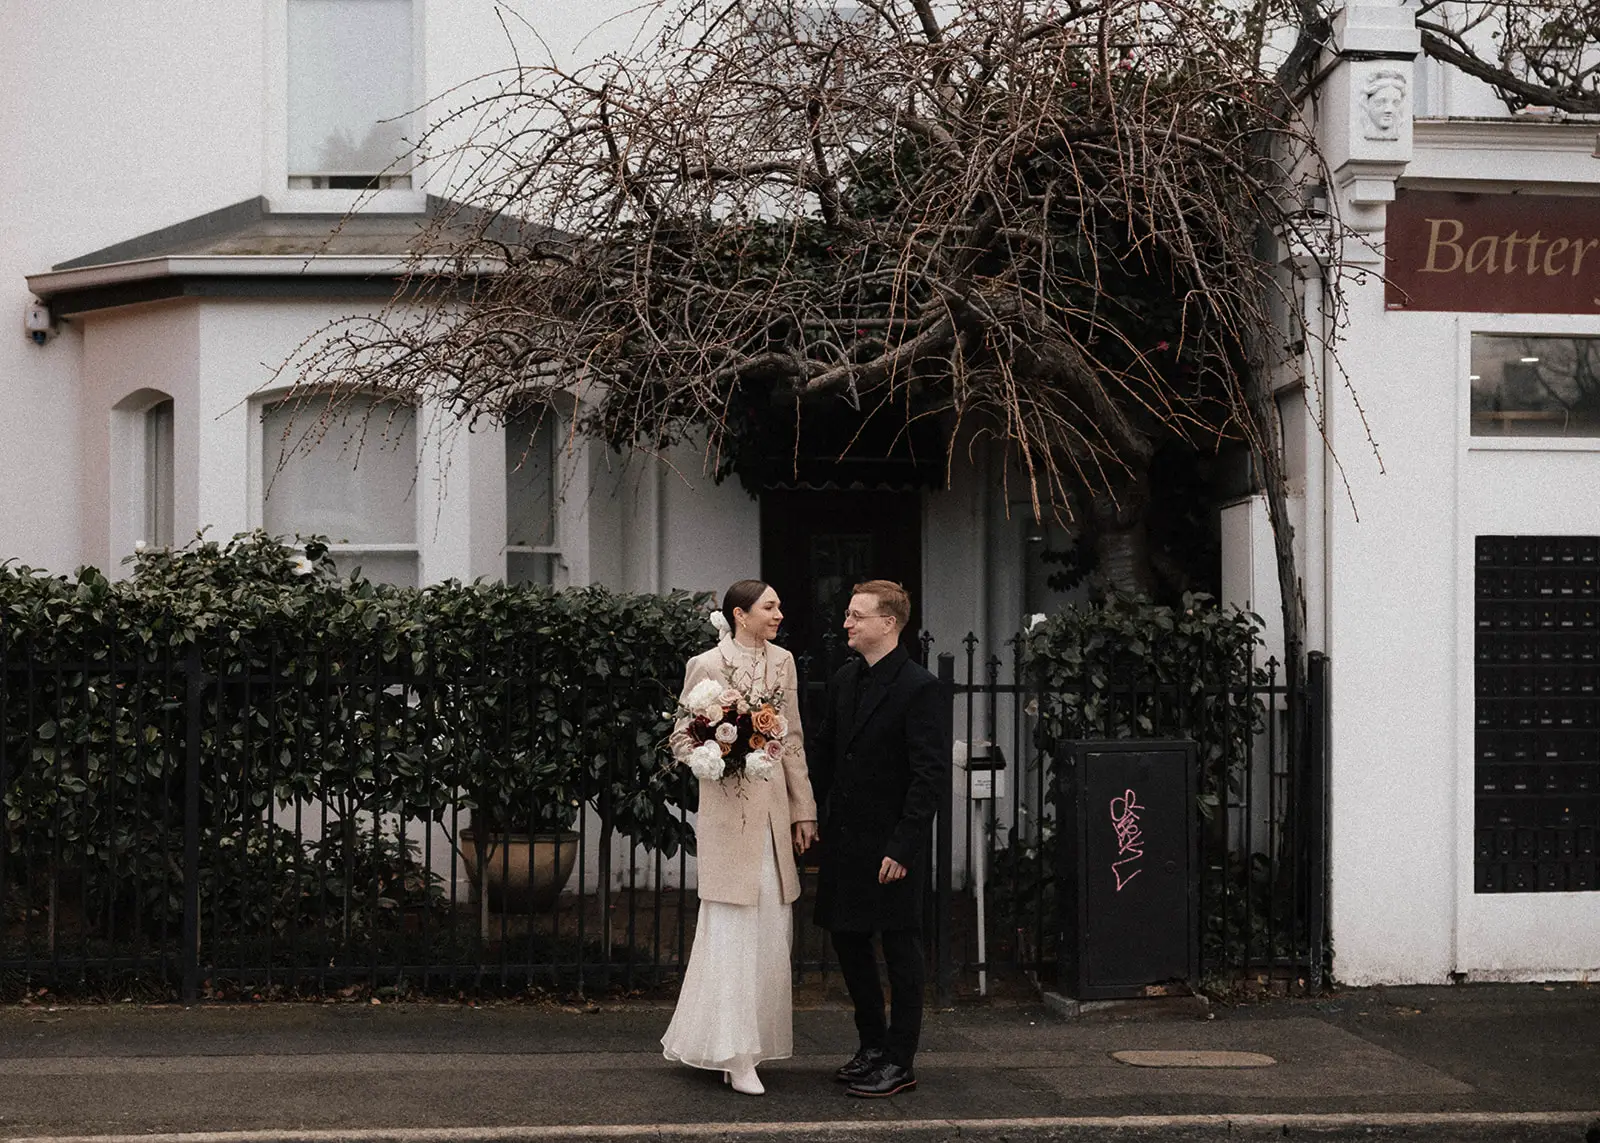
[744, 1080]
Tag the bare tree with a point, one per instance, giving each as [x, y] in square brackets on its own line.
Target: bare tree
[1038, 222]
[1533, 54]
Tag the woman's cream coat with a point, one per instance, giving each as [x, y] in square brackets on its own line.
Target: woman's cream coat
[737, 817]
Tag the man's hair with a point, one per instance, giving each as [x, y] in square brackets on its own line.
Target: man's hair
[891, 597]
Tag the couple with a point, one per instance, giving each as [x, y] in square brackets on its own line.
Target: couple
[876, 762]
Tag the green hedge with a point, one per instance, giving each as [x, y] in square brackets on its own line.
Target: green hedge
[513, 705]
[1125, 668]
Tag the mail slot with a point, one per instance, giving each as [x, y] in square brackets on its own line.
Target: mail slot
[1128, 865]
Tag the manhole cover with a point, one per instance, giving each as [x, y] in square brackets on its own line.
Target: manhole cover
[1192, 1059]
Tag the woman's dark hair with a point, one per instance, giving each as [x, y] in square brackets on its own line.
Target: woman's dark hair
[742, 595]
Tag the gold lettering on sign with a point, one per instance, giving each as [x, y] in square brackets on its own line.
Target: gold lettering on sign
[1579, 249]
[1483, 259]
[1557, 248]
[1533, 250]
[1435, 242]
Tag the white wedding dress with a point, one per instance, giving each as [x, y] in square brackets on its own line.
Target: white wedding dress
[736, 1005]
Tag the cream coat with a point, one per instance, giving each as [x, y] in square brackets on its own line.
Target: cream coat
[737, 818]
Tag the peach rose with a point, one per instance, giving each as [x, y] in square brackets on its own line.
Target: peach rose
[766, 720]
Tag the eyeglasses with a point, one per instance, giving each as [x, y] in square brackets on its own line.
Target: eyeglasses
[858, 616]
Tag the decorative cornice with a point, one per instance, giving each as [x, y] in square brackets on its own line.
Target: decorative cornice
[1506, 134]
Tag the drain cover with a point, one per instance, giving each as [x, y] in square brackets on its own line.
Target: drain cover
[1193, 1059]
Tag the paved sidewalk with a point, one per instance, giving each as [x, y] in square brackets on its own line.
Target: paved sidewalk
[1485, 1062]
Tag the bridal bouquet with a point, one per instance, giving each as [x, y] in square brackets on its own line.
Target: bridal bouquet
[734, 734]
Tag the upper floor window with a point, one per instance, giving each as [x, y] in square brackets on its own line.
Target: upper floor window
[348, 474]
[533, 552]
[352, 91]
[1535, 386]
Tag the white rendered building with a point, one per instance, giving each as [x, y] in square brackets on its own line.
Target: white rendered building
[173, 196]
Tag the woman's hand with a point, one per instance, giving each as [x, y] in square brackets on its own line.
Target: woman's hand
[805, 833]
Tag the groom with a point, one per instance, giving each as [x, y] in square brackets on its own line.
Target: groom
[878, 764]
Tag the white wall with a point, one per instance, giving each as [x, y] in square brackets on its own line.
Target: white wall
[123, 118]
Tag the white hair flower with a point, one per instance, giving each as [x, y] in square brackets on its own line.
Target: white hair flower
[720, 622]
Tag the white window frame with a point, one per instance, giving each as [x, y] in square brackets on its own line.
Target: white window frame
[570, 542]
[275, 175]
[130, 494]
[559, 428]
[1508, 325]
[346, 556]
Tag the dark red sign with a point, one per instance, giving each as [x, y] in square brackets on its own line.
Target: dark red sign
[1493, 253]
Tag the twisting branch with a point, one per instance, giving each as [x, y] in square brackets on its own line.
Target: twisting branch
[1037, 221]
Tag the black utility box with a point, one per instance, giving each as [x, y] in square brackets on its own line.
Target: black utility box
[1127, 868]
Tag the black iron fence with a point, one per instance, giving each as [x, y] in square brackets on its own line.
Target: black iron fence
[328, 824]
[1262, 810]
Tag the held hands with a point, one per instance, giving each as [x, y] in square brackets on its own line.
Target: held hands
[890, 870]
[805, 834]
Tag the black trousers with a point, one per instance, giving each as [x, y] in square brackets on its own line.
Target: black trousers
[902, 954]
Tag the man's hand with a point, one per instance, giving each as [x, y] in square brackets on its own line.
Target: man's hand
[890, 870]
[805, 835]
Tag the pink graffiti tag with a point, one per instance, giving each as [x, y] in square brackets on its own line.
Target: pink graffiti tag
[1130, 839]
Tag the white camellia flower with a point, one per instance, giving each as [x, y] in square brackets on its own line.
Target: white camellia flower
[302, 566]
[757, 765]
[705, 761]
[1035, 619]
[139, 545]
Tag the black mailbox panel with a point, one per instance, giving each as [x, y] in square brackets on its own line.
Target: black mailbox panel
[1130, 846]
[1536, 713]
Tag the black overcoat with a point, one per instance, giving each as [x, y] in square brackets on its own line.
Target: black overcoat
[879, 762]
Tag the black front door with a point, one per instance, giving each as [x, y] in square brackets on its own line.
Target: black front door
[816, 546]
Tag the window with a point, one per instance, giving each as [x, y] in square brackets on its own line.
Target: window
[351, 93]
[158, 436]
[348, 474]
[1535, 386]
[532, 535]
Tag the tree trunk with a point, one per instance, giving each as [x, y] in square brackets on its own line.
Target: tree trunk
[1122, 538]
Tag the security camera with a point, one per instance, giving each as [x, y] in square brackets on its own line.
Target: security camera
[37, 322]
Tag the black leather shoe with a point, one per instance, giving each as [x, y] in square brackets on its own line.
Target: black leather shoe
[861, 1065]
[888, 1078]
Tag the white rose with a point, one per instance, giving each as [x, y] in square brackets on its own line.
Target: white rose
[702, 699]
[757, 765]
[727, 732]
[783, 728]
[705, 761]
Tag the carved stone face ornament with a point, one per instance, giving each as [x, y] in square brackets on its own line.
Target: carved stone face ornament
[1382, 100]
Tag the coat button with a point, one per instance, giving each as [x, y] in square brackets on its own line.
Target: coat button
[850, 757]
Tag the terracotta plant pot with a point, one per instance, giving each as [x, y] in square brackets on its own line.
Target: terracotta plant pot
[525, 874]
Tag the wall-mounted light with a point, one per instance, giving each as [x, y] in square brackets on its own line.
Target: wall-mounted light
[37, 322]
[1528, 360]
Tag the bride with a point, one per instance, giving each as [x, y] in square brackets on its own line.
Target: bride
[735, 1009]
